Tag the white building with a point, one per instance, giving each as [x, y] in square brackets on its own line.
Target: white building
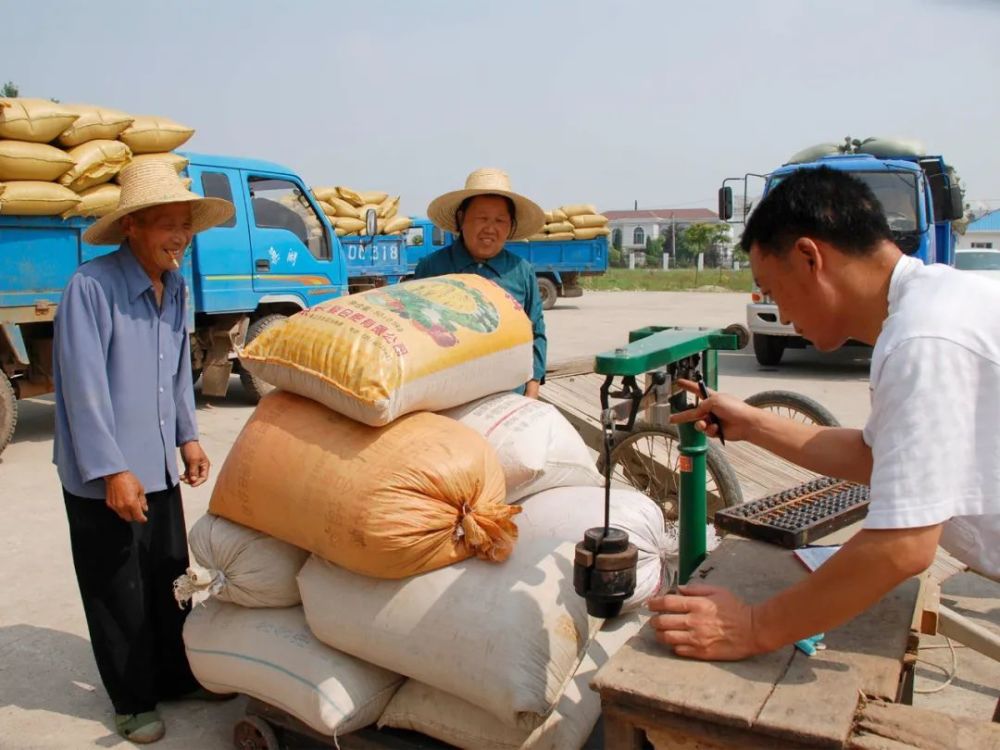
[631, 229]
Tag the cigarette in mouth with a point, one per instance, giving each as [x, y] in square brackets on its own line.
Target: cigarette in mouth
[174, 261]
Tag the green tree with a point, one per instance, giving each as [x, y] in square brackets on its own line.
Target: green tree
[10, 89]
[654, 251]
[705, 238]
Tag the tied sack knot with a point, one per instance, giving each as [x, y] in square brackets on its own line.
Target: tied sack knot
[487, 530]
[198, 580]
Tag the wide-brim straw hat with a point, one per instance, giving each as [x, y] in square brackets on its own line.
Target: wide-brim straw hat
[156, 183]
[487, 181]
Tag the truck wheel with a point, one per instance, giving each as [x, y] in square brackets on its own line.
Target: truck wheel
[549, 292]
[8, 411]
[768, 349]
[255, 387]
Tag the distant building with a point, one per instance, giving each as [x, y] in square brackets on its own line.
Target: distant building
[631, 229]
[983, 233]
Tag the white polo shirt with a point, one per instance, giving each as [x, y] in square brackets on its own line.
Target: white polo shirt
[934, 429]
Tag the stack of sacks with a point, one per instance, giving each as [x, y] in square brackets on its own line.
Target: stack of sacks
[251, 636]
[59, 160]
[394, 452]
[346, 209]
[578, 221]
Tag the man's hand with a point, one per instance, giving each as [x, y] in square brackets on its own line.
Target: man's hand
[738, 419]
[196, 464]
[125, 495]
[531, 389]
[705, 622]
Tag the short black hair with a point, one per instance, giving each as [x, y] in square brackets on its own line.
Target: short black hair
[820, 203]
[464, 206]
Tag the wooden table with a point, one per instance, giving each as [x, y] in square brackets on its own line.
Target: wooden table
[779, 700]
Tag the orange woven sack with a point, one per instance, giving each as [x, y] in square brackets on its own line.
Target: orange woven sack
[387, 502]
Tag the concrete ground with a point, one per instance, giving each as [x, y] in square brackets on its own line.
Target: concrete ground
[50, 693]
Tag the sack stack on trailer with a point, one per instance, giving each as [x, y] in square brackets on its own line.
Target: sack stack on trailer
[347, 208]
[392, 536]
[63, 159]
[574, 221]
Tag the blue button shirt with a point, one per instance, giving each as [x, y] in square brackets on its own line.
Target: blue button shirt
[122, 367]
[514, 274]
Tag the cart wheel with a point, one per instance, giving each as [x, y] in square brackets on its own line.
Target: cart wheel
[253, 733]
[8, 411]
[794, 406]
[646, 459]
[547, 288]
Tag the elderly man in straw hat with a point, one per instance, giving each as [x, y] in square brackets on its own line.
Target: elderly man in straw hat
[124, 405]
[485, 215]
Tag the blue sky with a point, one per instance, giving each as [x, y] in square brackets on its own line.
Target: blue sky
[601, 102]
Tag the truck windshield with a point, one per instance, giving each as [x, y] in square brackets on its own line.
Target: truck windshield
[896, 191]
[280, 204]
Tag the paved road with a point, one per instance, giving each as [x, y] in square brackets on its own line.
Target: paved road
[50, 693]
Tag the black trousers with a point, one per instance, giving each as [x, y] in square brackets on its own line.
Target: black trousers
[126, 573]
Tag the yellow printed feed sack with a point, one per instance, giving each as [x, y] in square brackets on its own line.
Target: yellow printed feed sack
[95, 162]
[94, 124]
[325, 207]
[386, 502]
[351, 196]
[150, 135]
[559, 226]
[591, 232]
[20, 160]
[587, 221]
[373, 196]
[31, 198]
[558, 236]
[96, 201]
[35, 120]
[549, 218]
[577, 209]
[557, 215]
[426, 344]
[397, 225]
[178, 162]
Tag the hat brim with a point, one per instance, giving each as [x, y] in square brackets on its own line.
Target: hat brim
[205, 214]
[529, 215]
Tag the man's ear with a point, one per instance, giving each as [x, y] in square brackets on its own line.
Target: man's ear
[807, 253]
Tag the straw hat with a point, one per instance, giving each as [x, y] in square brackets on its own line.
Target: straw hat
[487, 181]
[156, 183]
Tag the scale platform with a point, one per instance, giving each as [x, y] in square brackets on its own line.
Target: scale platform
[800, 515]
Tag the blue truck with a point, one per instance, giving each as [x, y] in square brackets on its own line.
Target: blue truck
[276, 256]
[558, 264]
[919, 193]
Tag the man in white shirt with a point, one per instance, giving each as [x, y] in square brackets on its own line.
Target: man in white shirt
[820, 246]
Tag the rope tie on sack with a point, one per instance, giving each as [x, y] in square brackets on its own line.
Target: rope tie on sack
[198, 580]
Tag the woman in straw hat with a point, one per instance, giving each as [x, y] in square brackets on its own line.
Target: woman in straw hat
[124, 405]
[485, 215]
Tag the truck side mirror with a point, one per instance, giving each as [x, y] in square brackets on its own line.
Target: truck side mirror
[371, 222]
[725, 203]
[956, 203]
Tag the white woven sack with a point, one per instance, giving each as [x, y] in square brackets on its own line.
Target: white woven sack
[421, 708]
[537, 446]
[270, 654]
[506, 638]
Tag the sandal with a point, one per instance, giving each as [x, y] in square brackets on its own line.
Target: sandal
[140, 728]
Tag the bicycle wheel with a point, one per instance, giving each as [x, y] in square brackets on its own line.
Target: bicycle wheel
[646, 459]
[794, 406]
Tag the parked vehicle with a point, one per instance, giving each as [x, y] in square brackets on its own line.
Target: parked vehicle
[558, 264]
[919, 193]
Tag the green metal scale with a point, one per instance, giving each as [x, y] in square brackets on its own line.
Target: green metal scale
[663, 355]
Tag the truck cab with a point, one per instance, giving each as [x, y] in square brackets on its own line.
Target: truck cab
[276, 256]
[920, 197]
